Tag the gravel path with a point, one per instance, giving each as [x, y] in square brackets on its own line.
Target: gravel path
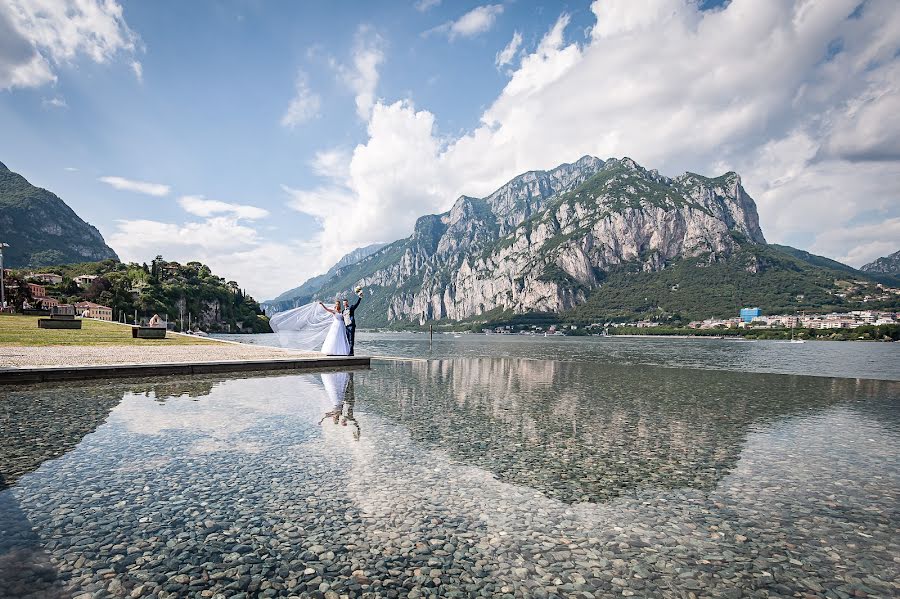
[99, 355]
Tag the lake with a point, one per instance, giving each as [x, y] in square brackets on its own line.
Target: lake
[507, 467]
[852, 359]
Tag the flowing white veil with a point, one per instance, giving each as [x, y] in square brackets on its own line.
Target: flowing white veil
[302, 328]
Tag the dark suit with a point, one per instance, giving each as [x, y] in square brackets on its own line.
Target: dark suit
[351, 328]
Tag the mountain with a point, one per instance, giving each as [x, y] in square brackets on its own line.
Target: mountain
[41, 229]
[885, 264]
[302, 294]
[590, 240]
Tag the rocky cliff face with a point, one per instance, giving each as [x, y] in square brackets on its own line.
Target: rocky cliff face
[544, 241]
[886, 264]
[41, 229]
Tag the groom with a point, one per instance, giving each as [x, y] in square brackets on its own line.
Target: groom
[350, 319]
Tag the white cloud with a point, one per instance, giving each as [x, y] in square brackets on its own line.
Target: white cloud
[218, 233]
[200, 206]
[834, 207]
[54, 102]
[425, 5]
[230, 248]
[864, 243]
[362, 76]
[391, 181]
[812, 130]
[332, 164]
[634, 16]
[507, 54]
[138, 69]
[121, 183]
[475, 22]
[35, 34]
[304, 106]
[71, 169]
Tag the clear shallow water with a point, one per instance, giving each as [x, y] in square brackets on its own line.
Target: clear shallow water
[817, 358]
[463, 477]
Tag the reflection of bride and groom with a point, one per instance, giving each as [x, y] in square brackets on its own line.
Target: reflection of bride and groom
[317, 327]
[339, 387]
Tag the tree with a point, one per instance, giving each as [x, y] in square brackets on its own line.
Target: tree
[17, 291]
[155, 268]
[68, 287]
[96, 288]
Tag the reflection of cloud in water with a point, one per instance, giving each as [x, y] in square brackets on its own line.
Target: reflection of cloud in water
[218, 421]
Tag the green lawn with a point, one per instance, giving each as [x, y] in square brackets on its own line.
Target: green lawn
[23, 330]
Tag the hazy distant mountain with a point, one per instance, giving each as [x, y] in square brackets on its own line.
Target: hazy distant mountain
[41, 229]
[303, 293]
[885, 264]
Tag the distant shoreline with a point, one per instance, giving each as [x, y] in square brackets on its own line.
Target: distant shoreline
[736, 337]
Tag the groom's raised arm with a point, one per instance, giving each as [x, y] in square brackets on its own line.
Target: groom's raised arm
[353, 307]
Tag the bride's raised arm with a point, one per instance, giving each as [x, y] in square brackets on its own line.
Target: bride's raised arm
[327, 308]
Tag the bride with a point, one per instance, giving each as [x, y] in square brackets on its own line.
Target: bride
[336, 342]
[311, 328]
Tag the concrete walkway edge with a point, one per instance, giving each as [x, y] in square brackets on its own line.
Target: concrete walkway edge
[40, 374]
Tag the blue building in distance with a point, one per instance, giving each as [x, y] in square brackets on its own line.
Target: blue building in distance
[747, 314]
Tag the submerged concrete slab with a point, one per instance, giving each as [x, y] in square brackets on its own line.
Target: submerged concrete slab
[40, 374]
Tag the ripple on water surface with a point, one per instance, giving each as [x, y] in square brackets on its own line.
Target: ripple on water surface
[464, 477]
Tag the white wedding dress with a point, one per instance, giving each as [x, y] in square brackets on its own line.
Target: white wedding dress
[312, 328]
[336, 342]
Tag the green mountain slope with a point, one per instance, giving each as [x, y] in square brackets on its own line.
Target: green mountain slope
[768, 276]
[41, 229]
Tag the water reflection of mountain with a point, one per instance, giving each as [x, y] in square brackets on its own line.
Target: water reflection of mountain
[42, 422]
[589, 432]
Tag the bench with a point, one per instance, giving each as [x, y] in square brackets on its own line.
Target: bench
[59, 323]
[61, 317]
[148, 332]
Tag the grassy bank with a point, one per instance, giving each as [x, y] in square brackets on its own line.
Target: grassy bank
[23, 330]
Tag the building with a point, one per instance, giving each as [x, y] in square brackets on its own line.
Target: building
[92, 310]
[47, 277]
[37, 290]
[84, 280]
[748, 314]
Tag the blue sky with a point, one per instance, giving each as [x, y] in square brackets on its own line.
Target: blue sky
[399, 107]
[216, 82]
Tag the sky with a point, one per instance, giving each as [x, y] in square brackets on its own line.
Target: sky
[269, 138]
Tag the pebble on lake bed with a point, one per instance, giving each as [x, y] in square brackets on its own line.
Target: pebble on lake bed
[493, 478]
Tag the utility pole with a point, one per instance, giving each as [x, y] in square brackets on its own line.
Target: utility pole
[2, 276]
